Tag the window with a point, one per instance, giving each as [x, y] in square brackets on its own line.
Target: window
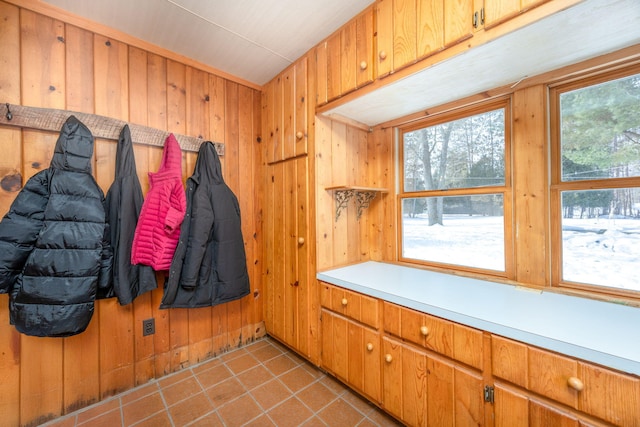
[455, 190]
[596, 182]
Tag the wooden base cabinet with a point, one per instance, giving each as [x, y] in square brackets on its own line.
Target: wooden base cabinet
[545, 388]
[429, 371]
[350, 339]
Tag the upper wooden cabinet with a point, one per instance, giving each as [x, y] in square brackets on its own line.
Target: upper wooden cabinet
[489, 13]
[285, 121]
[410, 30]
[345, 60]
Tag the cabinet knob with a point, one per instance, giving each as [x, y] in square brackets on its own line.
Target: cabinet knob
[299, 134]
[388, 358]
[369, 346]
[301, 240]
[424, 330]
[344, 302]
[382, 55]
[575, 383]
[363, 65]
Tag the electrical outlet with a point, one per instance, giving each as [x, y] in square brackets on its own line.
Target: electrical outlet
[148, 327]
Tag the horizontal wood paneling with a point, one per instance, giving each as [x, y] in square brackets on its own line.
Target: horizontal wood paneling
[50, 63]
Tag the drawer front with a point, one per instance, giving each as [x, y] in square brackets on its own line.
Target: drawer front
[468, 346]
[509, 360]
[609, 395]
[353, 305]
[552, 375]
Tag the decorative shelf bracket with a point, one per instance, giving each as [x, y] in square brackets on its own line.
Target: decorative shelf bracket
[363, 197]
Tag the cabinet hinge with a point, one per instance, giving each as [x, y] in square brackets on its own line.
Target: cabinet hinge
[488, 393]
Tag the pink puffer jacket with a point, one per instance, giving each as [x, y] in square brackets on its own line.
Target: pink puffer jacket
[163, 210]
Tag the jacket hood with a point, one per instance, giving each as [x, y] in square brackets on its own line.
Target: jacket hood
[125, 161]
[208, 167]
[171, 165]
[74, 148]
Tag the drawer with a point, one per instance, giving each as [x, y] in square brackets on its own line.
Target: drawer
[419, 328]
[609, 395]
[553, 376]
[354, 305]
[509, 360]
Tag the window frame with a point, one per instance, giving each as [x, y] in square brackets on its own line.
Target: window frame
[506, 190]
[557, 186]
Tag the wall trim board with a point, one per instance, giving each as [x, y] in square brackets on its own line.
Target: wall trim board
[51, 119]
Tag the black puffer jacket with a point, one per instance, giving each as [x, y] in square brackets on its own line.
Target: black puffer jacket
[124, 201]
[53, 253]
[209, 266]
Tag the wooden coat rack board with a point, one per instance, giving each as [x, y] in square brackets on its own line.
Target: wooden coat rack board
[51, 119]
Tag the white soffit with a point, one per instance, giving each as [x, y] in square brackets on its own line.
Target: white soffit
[584, 31]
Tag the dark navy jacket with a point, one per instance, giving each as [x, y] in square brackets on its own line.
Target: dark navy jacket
[209, 266]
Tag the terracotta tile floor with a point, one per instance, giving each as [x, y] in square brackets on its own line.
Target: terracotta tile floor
[261, 384]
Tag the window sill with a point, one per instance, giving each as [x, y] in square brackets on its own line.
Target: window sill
[595, 331]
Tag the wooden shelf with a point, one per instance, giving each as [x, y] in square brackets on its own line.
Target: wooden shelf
[363, 197]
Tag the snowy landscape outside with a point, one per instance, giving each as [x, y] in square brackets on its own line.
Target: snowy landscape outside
[600, 251]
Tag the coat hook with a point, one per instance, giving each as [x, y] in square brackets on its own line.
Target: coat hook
[9, 115]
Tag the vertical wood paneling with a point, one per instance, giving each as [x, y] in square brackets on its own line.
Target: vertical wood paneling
[49, 64]
[157, 118]
[144, 363]
[530, 184]
[43, 85]
[339, 175]
[10, 183]
[217, 111]
[333, 66]
[246, 178]
[257, 241]
[198, 98]
[176, 120]
[301, 102]
[111, 71]
[231, 175]
[81, 352]
[288, 113]
[304, 286]
[325, 209]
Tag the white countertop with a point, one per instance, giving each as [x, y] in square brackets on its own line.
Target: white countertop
[600, 332]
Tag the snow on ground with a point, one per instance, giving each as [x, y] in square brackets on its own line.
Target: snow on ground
[598, 251]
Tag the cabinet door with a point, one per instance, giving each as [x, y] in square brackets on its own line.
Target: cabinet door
[430, 27]
[384, 38]
[364, 361]
[290, 295]
[498, 11]
[334, 56]
[364, 48]
[404, 33]
[405, 382]
[511, 408]
[321, 74]
[458, 21]
[543, 415]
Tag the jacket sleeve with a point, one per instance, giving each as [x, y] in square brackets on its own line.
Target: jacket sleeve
[199, 232]
[20, 227]
[105, 278]
[177, 209]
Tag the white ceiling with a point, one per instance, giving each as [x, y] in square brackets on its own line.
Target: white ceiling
[250, 39]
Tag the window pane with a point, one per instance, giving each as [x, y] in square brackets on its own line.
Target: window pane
[600, 130]
[463, 230]
[601, 237]
[460, 154]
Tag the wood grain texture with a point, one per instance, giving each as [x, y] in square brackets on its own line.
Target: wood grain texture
[52, 65]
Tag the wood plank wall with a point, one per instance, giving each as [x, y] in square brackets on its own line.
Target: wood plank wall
[347, 155]
[46, 62]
